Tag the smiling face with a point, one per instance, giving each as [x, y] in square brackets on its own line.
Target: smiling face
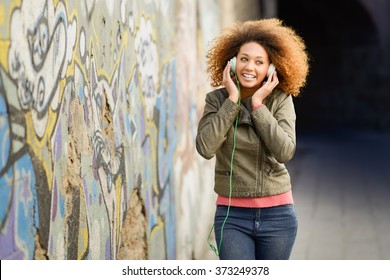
[252, 66]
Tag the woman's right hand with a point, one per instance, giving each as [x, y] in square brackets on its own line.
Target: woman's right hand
[266, 88]
[230, 84]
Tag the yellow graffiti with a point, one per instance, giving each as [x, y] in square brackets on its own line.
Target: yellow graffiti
[40, 146]
[4, 46]
[13, 5]
[152, 130]
[5, 17]
[157, 228]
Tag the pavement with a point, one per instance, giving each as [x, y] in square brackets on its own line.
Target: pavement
[341, 189]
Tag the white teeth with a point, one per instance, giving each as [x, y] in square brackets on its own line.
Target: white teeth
[249, 76]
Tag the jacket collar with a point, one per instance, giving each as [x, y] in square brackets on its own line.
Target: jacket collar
[245, 112]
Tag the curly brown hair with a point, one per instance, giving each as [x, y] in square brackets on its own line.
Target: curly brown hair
[285, 48]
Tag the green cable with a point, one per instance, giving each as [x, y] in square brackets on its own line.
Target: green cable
[231, 178]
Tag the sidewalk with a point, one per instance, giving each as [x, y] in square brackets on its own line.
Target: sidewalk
[341, 188]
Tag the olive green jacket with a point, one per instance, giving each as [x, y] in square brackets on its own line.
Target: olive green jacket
[265, 140]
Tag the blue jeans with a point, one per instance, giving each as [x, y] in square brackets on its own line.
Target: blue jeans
[256, 233]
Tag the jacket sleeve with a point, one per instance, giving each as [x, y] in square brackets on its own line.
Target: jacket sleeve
[215, 124]
[277, 130]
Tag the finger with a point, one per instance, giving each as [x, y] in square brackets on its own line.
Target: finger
[274, 78]
[271, 78]
[227, 70]
[227, 78]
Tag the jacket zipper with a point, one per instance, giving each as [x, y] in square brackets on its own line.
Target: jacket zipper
[260, 167]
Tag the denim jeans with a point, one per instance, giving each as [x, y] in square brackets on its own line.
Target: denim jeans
[256, 233]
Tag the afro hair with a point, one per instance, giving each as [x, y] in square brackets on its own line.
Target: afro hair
[285, 48]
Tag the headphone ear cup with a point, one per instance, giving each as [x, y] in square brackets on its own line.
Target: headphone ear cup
[271, 69]
[233, 65]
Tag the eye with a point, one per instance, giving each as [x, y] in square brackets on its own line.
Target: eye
[244, 59]
[259, 62]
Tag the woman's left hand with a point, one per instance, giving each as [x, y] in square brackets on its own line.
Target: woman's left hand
[265, 89]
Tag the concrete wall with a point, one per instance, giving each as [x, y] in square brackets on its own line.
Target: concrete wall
[90, 127]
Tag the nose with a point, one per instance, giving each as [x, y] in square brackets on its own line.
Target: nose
[250, 65]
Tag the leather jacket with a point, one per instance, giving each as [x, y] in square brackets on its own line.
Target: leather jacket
[265, 140]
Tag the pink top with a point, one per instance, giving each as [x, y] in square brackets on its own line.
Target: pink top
[258, 202]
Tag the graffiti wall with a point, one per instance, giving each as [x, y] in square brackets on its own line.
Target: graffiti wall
[97, 159]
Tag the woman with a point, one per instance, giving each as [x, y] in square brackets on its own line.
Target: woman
[249, 125]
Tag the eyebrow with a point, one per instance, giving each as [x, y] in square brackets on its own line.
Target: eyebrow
[259, 56]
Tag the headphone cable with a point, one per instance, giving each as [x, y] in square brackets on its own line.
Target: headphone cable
[230, 179]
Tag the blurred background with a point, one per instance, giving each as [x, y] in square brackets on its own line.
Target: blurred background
[99, 106]
[340, 172]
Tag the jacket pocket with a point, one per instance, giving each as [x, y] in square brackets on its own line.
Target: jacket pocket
[222, 172]
[277, 181]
